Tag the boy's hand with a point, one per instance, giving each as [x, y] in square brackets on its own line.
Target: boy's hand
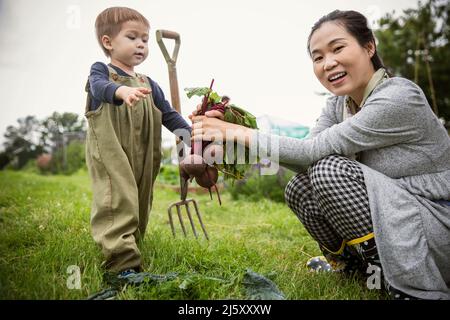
[209, 114]
[131, 95]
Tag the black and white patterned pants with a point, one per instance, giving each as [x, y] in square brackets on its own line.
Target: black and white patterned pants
[331, 201]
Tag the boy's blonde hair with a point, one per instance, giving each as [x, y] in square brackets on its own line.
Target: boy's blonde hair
[109, 22]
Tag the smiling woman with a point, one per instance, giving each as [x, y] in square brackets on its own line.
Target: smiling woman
[373, 170]
[344, 41]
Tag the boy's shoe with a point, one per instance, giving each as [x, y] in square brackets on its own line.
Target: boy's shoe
[126, 274]
[135, 278]
[122, 278]
[116, 281]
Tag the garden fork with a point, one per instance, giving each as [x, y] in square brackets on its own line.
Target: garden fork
[175, 96]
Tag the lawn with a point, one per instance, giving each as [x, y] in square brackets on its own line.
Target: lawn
[44, 229]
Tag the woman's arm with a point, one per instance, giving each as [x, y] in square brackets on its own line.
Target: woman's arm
[394, 114]
[326, 120]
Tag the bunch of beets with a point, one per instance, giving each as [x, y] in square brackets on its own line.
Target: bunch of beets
[200, 163]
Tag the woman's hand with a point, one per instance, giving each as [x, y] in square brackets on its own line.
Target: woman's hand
[209, 129]
[210, 114]
[212, 129]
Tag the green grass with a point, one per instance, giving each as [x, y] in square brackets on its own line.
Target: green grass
[44, 229]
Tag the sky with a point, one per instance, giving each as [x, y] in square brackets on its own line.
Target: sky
[255, 51]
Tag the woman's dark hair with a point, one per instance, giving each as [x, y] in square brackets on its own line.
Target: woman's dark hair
[356, 24]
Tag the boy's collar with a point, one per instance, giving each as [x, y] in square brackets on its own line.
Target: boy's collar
[120, 72]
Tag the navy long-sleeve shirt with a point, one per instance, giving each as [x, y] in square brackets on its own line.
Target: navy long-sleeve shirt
[103, 90]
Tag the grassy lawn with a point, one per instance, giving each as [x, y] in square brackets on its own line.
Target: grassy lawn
[44, 229]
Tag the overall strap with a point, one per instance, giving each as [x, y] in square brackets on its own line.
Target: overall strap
[88, 97]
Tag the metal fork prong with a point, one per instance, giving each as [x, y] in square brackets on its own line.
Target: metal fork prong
[218, 194]
[190, 219]
[200, 219]
[171, 220]
[181, 220]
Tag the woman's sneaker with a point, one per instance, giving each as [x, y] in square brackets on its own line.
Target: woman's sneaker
[396, 294]
[318, 264]
[348, 262]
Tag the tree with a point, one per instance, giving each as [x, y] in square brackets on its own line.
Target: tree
[69, 159]
[32, 137]
[56, 129]
[21, 142]
[61, 134]
[416, 46]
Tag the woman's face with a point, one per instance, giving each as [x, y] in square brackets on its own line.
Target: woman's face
[340, 63]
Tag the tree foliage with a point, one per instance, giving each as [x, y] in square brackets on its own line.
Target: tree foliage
[415, 45]
[55, 134]
[54, 127]
[21, 142]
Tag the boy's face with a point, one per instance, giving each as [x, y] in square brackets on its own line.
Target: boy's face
[130, 46]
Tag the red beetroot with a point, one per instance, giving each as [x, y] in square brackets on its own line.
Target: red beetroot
[208, 178]
[193, 165]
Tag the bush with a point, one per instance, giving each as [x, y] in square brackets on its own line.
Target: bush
[255, 186]
[72, 161]
[4, 160]
[31, 167]
[168, 174]
[44, 162]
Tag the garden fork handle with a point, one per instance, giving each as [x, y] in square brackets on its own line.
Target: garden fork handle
[171, 63]
[174, 90]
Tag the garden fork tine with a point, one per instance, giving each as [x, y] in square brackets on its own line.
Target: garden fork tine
[174, 92]
[185, 203]
[199, 218]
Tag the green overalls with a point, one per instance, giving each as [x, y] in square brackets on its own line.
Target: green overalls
[123, 154]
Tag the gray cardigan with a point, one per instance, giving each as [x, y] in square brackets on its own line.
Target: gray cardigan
[405, 157]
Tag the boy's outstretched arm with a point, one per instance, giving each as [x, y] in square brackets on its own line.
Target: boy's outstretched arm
[131, 95]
